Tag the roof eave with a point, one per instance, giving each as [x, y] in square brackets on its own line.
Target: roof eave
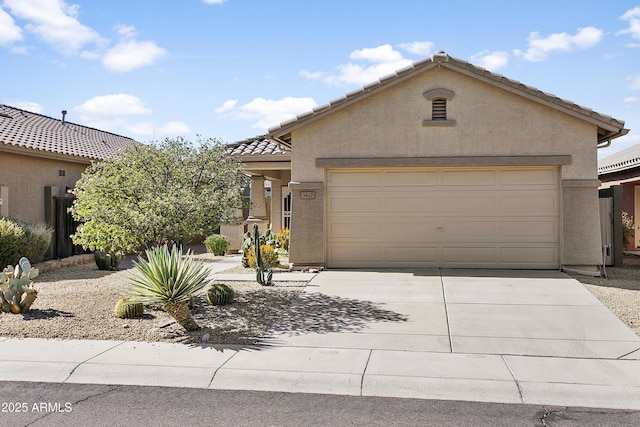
[52, 155]
[613, 128]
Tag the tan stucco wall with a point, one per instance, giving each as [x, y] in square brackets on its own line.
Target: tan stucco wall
[489, 122]
[26, 178]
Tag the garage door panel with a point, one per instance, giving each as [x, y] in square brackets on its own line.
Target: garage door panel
[416, 231]
[349, 230]
[535, 229]
[529, 178]
[410, 179]
[359, 179]
[470, 230]
[514, 257]
[357, 255]
[481, 217]
[469, 202]
[469, 178]
[469, 255]
[356, 204]
[412, 255]
[540, 202]
[410, 203]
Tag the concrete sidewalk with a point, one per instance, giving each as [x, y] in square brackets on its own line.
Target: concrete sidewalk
[510, 337]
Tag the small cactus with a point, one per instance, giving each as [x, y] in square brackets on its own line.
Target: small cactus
[126, 309]
[220, 294]
[107, 261]
[16, 287]
[263, 276]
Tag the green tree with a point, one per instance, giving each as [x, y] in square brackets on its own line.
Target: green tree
[151, 195]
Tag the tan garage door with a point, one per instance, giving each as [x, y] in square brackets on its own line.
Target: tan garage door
[444, 217]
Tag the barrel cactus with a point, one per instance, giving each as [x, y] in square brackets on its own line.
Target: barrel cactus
[126, 309]
[107, 261]
[220, 294]
[16, 287]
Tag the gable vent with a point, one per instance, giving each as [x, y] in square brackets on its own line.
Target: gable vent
[439, 109]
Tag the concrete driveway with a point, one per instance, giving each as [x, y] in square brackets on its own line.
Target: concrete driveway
[503, 336]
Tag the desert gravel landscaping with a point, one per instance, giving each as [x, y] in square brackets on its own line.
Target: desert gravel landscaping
[77, 303]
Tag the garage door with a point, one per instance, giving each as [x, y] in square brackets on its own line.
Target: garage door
[443, 217]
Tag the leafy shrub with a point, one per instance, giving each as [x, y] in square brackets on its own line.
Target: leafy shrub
[268, 238]
[282, 236]
[11, 238]
[269, 257]
[37, 240]
[18, 239]
[217, 244]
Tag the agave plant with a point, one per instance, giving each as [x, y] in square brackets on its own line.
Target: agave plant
[169, 279]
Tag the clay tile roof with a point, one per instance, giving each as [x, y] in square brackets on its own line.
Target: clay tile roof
[256, 146]
[608, 126]
[626, 159]
[22, 128]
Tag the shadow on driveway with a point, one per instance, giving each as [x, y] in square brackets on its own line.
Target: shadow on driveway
[319, 313]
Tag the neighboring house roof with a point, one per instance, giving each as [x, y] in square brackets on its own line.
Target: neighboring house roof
[623, 160]
[608, 127]
[50, 137]
[257, 146]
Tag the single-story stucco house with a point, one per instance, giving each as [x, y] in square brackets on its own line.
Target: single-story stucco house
[441, 164]
[623, 169]
[42, 157]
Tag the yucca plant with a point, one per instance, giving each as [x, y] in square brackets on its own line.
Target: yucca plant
[168, 279]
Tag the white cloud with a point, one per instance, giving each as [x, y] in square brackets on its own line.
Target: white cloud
[266, 113]
[635, 82]
[55, 23]
[417, 48]
[227, 106]
[25, 105]
[130, 55]
[9, 31]
[540, 48]
[126, 32]
[631, 100]
[380, 54]
[633, 16]
[214, 1]
[491, 60]
[313, 75]
[115, 113]
[113, 105]
[378, 62]
[167, 130]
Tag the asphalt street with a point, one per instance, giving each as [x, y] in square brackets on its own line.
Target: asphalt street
[52, 404]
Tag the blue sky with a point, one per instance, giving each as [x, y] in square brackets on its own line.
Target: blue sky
[229, 69]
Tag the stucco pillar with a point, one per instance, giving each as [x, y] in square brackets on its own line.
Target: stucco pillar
[306, 246]
[582, 242]
[258, 206]
[235, 232]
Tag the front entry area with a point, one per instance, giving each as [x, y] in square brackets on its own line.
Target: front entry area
[482, 217]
